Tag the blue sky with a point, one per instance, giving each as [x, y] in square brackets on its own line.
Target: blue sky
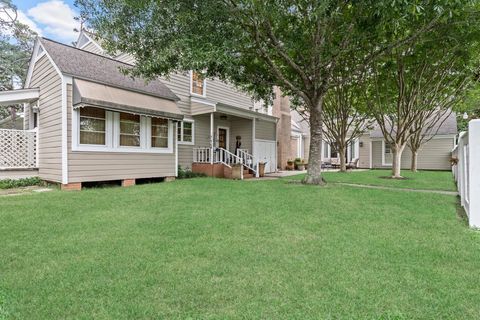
[49, 18]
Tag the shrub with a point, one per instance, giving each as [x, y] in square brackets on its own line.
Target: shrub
[188, 174]
[17, 183]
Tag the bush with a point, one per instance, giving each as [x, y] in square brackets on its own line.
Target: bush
[17, 183]
[188, 174]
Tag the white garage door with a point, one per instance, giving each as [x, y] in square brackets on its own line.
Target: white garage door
[265, 150]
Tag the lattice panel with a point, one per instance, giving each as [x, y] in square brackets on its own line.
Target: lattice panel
[17, 149]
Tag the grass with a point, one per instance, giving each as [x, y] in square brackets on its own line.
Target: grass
[427, 180]
[221, 249]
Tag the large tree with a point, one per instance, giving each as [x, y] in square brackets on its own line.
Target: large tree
[257, 45]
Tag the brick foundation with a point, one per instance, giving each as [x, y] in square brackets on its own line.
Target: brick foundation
[76, 186]
[169, 179]
[211, 170]
[128, 182]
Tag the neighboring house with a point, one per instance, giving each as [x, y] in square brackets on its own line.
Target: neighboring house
[97, 124]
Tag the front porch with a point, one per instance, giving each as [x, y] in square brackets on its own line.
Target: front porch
[230, 137]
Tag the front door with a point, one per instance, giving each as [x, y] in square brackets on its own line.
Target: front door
[222, 138]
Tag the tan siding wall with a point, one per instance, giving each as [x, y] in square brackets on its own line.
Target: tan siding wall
[126, 58]
[364, 152]
[243, 128]
[102, 166]
[217, 92]
[434, 155]
[91, 47]
[265, 130]
[50, 119]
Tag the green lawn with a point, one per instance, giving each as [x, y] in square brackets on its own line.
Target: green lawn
[221, 249]
[428, 180]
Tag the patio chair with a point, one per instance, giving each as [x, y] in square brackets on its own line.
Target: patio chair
[353, 164]
[335, 162]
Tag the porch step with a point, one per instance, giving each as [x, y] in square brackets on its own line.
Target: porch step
[247, 175]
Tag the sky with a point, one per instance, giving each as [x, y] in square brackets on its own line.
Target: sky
[52, 19]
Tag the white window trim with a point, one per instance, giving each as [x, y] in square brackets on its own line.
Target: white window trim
[228, 136]
[112, 138]
[383, 154]
[180, 125]
[204, 93]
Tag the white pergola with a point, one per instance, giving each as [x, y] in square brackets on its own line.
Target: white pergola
[10, 97]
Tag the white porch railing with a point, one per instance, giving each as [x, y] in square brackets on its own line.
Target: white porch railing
[466, 171]
[248, 160]
[18, 149]
[220, 155]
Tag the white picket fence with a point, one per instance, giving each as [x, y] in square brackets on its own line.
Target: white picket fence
[467, 171]
[18, 149]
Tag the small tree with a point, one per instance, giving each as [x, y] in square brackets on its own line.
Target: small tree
[344, 113]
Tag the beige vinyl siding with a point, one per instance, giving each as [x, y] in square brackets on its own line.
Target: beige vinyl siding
[92, 47]
[434, 155]
[202, 134]
[243, 128]
[216, 92]
[364, 152]
[103, 166]
[126, 58]
[265, 130]
[46, 78]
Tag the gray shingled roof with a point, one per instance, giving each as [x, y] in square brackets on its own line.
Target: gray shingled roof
[449, 126]
[89, 66]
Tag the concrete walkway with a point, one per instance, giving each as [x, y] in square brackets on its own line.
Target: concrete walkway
[451, 193]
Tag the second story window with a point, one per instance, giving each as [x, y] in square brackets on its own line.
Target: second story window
[197, 84]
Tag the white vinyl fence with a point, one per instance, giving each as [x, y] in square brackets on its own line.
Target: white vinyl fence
[467, 171]
[18, 149]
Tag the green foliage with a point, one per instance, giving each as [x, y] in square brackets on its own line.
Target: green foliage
[188, 174]
[17, 183]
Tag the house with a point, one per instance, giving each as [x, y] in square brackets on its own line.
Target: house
[373, 152]
[97, 124]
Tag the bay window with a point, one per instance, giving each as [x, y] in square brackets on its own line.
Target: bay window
[92, 126]
[96, 129]
[159, 133]
[129, 130]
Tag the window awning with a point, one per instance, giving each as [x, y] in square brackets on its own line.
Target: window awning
[87, 93]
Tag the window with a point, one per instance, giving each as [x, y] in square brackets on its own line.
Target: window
[92, 126]
[159, 133]
[325, 150]
[129, 130]
[185, 132]
[388, 148]
[198, 84]
[95, 129]
[333, 151]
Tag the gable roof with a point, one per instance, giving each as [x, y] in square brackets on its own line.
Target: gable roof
[85, 65]
[448, 127]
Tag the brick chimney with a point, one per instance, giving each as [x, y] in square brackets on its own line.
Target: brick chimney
[281, 110]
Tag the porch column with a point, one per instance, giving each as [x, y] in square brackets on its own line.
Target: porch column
[212, 142]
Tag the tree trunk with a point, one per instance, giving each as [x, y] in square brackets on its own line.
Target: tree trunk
[413, 165]
[343, 161]
[397, 161]
[314, 170]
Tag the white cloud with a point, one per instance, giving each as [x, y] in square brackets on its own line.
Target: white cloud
[56, 19]
[22, 17]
